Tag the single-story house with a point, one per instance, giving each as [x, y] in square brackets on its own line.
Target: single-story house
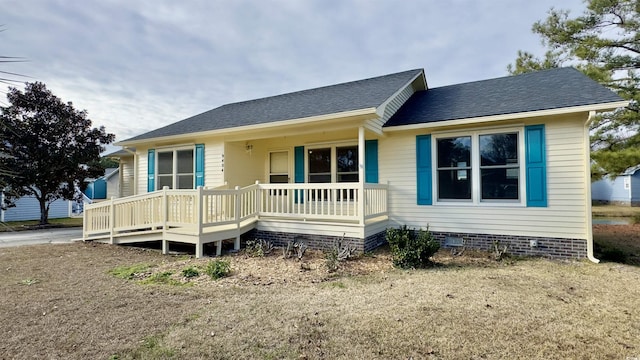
[121, 182]
[104, 187]
[504, 159]
[624, 189]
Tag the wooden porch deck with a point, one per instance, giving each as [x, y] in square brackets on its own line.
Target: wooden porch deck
[205, 216]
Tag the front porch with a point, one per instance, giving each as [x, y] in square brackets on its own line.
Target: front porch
[202, 216]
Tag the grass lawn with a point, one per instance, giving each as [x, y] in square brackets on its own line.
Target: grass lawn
[62, 302]
[615, 211]
[31, 224]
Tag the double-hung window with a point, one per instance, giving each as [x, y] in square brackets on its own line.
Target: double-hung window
[479, 167]
[499, 167]
[175, 169]
[454, 168]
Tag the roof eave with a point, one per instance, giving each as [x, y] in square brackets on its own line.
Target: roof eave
[363, 113]
[511, 116]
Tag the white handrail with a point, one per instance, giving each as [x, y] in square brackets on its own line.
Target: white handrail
[204, 208]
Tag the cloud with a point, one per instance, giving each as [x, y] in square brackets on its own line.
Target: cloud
[136, 66]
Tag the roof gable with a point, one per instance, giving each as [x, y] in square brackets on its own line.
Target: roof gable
[355, 95]
[542, 90]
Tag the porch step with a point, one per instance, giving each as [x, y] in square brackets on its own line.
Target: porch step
[128, 236]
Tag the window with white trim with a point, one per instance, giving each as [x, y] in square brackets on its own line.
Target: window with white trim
[454, 168]
[479, 167]
[175, 169]
[332, 164]
[499, 167]
[278, 167]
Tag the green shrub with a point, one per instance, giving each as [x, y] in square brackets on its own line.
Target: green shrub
[161, 278]
[190, 272]
[217, 269]
[411, 248]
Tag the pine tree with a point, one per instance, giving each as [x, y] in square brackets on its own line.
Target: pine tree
[604, 43]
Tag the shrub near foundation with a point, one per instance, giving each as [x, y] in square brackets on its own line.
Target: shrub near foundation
[217, 269]
[411, 248]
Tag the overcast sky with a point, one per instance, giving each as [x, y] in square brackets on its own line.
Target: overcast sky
[138, 65]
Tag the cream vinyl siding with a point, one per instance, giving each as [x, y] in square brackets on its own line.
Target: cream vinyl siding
[244, 166]
[142, 170]
[126, 176]
[312, 228]
[213, 163]
[565, 216]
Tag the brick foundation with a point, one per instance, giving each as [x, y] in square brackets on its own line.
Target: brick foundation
[517, 245]
[316, 242]
[521, 245]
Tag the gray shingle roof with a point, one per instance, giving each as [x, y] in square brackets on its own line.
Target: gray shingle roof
[332, 99]
[542, 90]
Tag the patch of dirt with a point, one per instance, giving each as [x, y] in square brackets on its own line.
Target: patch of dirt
[274, 269]
[617, 243]
[631, 231]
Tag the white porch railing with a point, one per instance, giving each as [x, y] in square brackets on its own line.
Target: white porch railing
[196, 211]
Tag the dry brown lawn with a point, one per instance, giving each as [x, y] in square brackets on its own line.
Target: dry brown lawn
[615, 211]
[59, 301]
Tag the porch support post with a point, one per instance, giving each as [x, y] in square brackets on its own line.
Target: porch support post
[199, 216]
[361, 174]
[165, 246]
[112, 220]
[84, 217]
[164, 213]
[199, 250]
[236, 243]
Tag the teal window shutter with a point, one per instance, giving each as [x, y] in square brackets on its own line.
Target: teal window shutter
[299, 164]
[199, 165]
[423, 167]
[298, 171]
[151, 170]
[536, 166]
[371, 161]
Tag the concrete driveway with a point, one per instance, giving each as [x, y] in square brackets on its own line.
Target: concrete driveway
[46, 236]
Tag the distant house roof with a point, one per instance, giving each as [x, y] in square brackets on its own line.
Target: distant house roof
[632, 170]
[119, 153]
[542, 90]
[355, 95]
[109, 172]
